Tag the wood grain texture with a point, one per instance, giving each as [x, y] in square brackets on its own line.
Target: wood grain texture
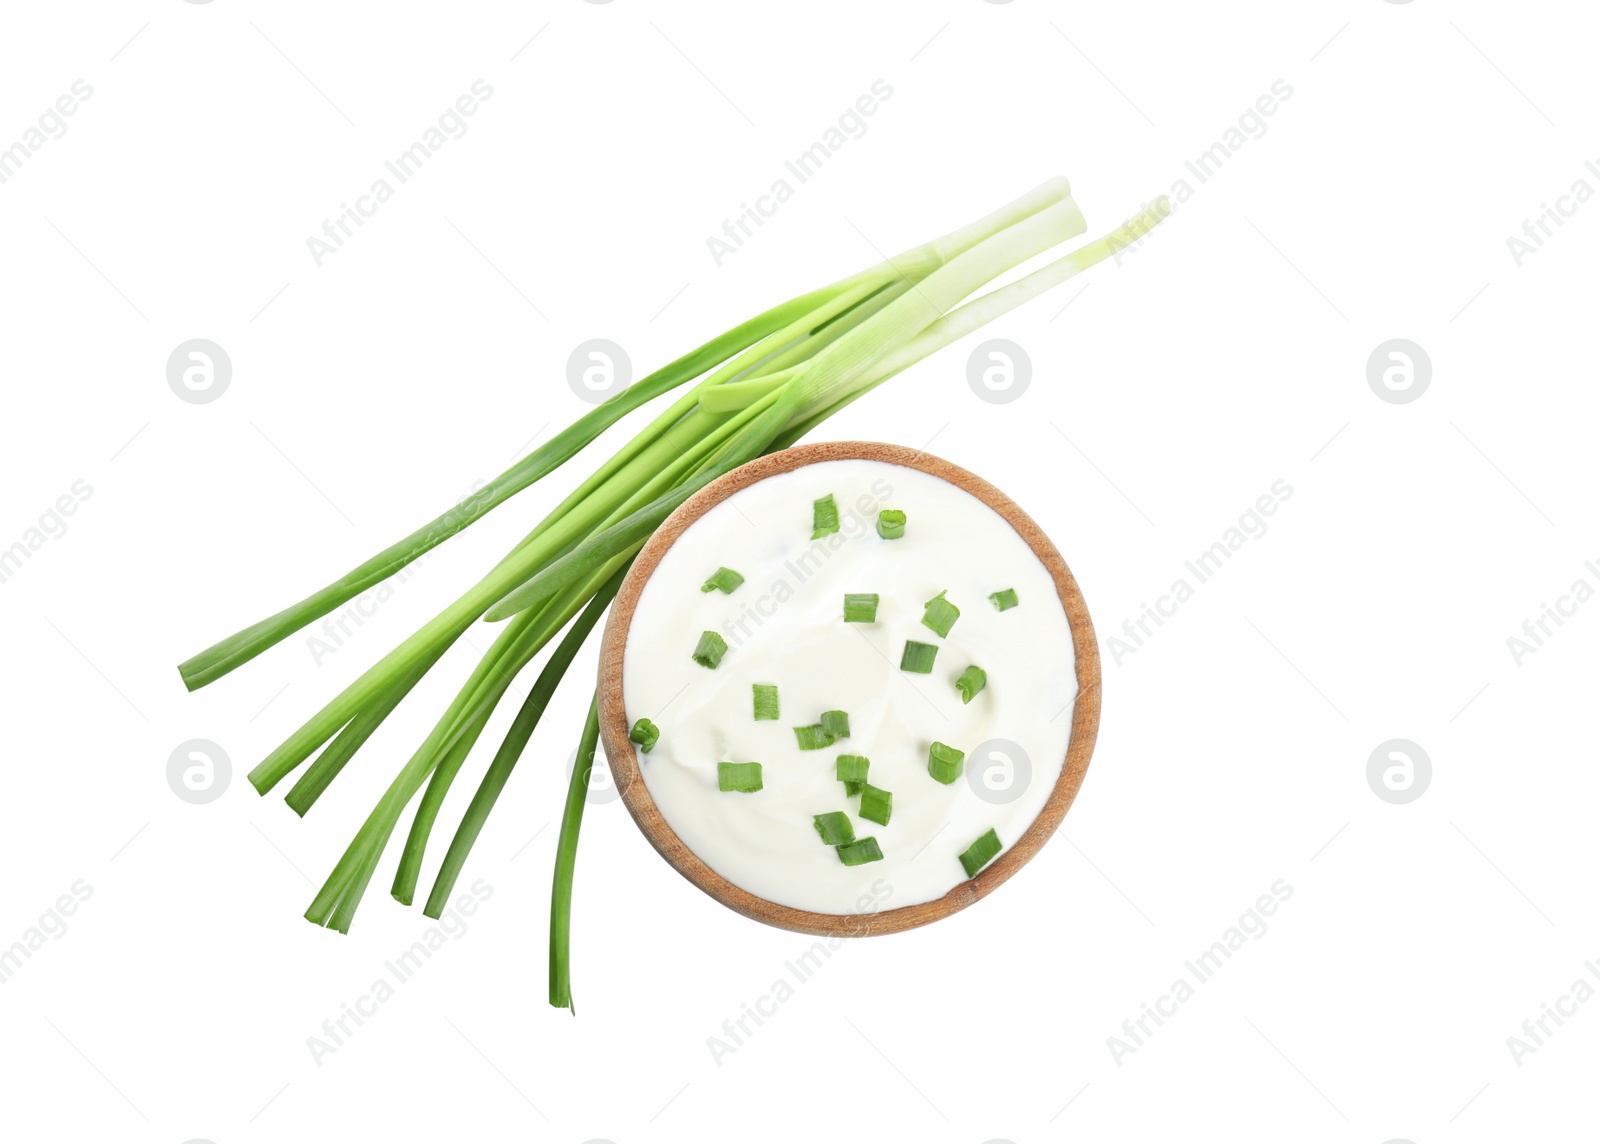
[624, 760]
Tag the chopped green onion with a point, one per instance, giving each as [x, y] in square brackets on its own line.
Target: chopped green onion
[972, 681]
[851, 768]
[976, 856]
[813, 737]
[710, 650]
[645, 733]
[834, 827]
[891, 524]
[742, 777]
[766, 700]
[941, 615]
[860, 607]
[824, 517]
[1004, 599]
[875, 804]
[836, 724]
[944, 762]
[725, 579]
[918, 657]
[860, 852]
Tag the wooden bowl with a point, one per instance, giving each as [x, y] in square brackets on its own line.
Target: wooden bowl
[624, 760]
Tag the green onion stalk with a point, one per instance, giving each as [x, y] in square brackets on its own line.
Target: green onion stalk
[757, 389]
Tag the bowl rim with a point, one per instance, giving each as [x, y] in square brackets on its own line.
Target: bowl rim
[623, 758]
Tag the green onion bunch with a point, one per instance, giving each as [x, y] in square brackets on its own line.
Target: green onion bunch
[757, 388]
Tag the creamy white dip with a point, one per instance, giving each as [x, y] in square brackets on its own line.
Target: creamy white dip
[784, 625]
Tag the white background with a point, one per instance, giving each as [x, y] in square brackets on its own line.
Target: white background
[1228, 353]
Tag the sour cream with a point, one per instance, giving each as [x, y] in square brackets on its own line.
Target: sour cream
[784, 625]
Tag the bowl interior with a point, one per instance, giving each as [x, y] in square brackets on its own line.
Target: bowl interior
[624, 759]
